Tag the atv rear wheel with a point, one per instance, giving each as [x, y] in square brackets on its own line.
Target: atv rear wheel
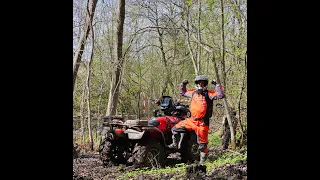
[110, 154]
[149, 155]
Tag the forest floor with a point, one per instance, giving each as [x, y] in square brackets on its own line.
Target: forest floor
[221, 165]
[89, 167]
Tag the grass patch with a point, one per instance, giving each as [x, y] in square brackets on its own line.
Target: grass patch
[156, 172]
[226, 158]
[214, 140]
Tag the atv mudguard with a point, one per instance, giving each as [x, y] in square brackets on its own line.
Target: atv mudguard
[134, 134]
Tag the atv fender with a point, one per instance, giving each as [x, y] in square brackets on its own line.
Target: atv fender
[134, 134]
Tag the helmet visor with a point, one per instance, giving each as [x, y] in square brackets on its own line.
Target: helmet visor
[202, 83]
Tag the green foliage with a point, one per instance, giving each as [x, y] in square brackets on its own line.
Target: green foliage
[144, 69]
[188, 2]
[244, 123]
[226, 158]
[214, 140]
[211, 3]
[156, 172]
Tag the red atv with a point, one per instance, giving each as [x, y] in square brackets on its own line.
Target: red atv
[144, 143]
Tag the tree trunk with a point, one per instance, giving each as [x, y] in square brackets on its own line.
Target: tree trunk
[164, 59]
[83, 37]
[99, 103]
[88, 89]
[239, 103]
[116, 75]
[81, 114]
[239, 111]
[223, 67]
[199, 37]
[89, 110]
[194, 61]
[225, 103]
[139, 93]
[224, 78]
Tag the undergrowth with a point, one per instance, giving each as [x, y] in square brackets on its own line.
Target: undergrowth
[179, 169]
[214, 140]
[226, 158]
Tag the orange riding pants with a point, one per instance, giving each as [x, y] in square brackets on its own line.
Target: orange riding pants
[198, 126]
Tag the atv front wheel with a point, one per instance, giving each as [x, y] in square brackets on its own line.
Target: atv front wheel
[149, 155]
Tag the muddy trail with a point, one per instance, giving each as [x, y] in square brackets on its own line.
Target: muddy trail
[89, 167]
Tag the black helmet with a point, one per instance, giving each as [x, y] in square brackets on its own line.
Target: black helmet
[201, 78]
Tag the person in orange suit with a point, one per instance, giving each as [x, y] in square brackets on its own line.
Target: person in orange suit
[201, 106]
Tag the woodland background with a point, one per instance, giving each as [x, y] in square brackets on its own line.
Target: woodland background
[127, 53]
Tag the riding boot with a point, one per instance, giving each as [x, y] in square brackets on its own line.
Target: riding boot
[203, 157]
[181, 139]
[174, 144]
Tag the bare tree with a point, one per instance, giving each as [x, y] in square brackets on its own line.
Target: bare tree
[226, 105]
[152, 49]
[82, 118]
[199, 37]
[225, 102]
[83, 38]
[239, 100]
[116, 74]
[188, 37]
[88, 89]
[223, 66]
[224, 77]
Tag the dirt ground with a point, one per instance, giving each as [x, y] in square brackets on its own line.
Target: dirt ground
[89, 167]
